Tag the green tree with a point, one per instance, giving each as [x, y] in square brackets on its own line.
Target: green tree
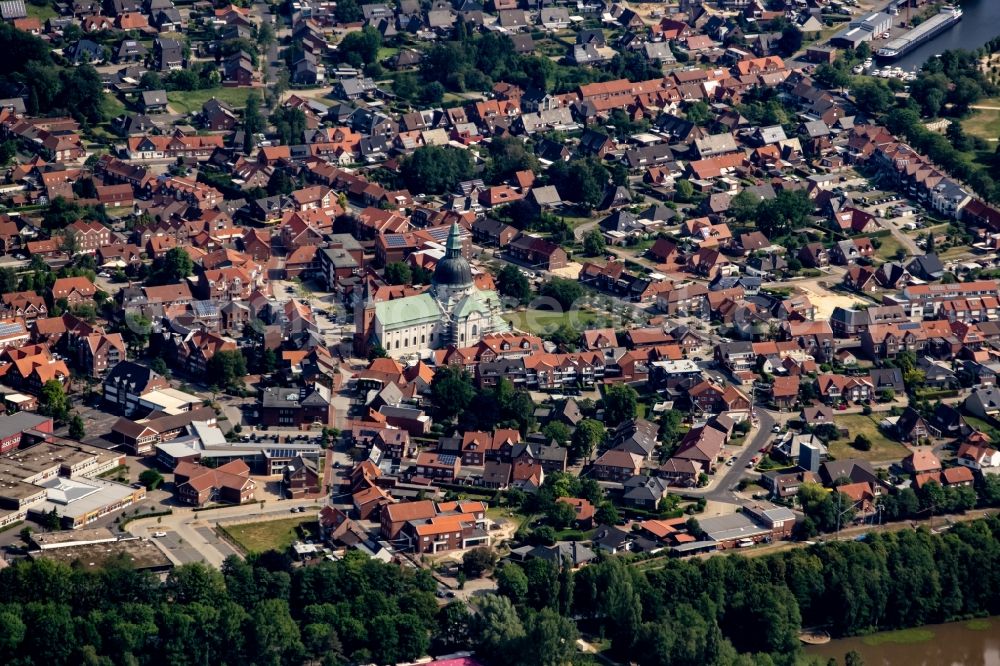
[512, 282]
[508, 155]
[558, 431]
[290, 125]
[621, 403]
[77, 429]
[348, 11]
[478, 561]
[174, 266]
[398, 272]
[872, 96]
[698, 112]
[560, 515]
[550, 640]
[588, 435]
[451, 390]
[743, 207]
[497, 628]
[227, 368]
[453, 624]
[582, 181]
[564, 291]
[280, 182]
[791, 39]
[52, 400]
[253, 123]
[151, 478]
[436, 169]
[275, 634]
[593, 243]
[512, 583]
[683, 191]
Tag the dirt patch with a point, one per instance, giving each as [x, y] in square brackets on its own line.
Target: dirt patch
[826, 301]
[570, 271]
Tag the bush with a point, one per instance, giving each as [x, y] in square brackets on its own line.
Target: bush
[862, 443]
[151, 479]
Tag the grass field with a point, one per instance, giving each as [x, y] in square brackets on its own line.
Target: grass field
[882, 449]
[887, 249]
[271, 534]
[190, 101]
[43, 14]
[546, 321]
[984, 123]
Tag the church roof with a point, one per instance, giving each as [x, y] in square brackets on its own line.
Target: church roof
[476, 302]
[408, 311]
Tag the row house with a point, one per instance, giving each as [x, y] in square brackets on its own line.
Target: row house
[26, 305]
[160, 147]
[920, 179]
[89, 235]
[933, 338]
[837, 388]
[926, 301]
[690, 300]
[710, 398]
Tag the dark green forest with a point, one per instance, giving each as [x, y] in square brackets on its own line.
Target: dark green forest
[721, 610]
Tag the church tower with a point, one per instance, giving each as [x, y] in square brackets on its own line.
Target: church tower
[452, 278]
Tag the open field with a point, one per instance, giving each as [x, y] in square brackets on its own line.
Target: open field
[267, 535]
[985, 120]
[882, 449]
[190, 101]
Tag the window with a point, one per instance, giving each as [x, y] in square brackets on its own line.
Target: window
[475, 330]
[397, 344]
[422, 339]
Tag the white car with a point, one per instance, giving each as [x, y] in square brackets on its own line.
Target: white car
[158, 535]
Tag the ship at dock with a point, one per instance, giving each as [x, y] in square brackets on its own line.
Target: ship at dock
[900, 46]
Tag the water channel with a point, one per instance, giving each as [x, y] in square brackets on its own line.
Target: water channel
[980, 23]
[970, 643]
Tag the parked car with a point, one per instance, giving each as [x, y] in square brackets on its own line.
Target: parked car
[159, 534]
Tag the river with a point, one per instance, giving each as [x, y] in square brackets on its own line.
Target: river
[972, 643]
[980, 23]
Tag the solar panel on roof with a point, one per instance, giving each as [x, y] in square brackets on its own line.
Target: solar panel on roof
[446, 459]
[9, 328]
[395, 241]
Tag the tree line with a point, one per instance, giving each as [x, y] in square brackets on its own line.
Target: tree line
[718, 611]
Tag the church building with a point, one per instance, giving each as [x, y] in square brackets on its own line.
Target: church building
[453, 311]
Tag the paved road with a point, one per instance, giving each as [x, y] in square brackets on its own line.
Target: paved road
[722, 489]
[190, 536]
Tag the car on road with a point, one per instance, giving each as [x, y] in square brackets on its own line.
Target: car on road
[159, 534]
[776, 428]
[729, 462]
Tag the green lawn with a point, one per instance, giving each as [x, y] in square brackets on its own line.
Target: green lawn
[43, 14]
[888, 247]
[271, 534]
[984, 122]
[546, 321]
[882, 449]
[190, 101]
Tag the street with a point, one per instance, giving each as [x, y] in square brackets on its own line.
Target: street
[721, 489]
[191, 535]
